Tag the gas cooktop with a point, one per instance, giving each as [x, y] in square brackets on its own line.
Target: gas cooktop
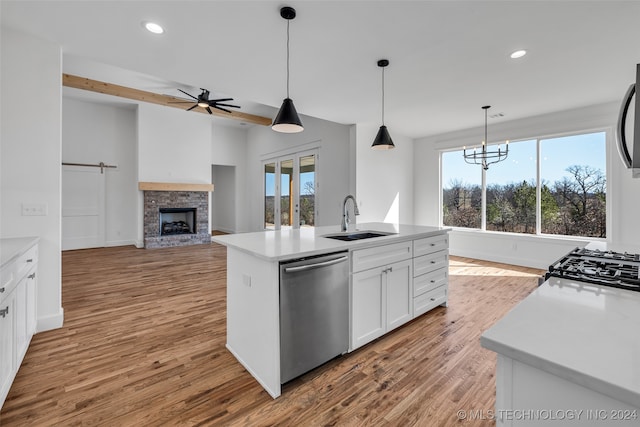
[615, 269]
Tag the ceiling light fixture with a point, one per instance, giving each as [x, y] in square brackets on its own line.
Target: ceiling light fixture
[287, 120]
[485, 157]
[383, 140]
[153, 27]
[518, 54]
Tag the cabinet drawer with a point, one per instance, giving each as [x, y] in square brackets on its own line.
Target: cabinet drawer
[430, 244]
[27, 260]
[430, 262]
[364, 259]
[429, 281]
[7, 280]
[429, 300]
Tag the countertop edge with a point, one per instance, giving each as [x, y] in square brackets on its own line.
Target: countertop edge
[16, 246]
[336, 245]
[599, 385]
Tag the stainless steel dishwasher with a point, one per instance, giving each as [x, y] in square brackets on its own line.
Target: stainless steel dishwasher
[314, 312]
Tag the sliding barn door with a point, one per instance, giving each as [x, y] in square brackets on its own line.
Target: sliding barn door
[83, 207]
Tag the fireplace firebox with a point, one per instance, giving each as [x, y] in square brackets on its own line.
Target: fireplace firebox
[177, 221]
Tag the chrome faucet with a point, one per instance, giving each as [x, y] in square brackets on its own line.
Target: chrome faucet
[345, 211]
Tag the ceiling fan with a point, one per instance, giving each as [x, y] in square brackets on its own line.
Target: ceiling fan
[203, 101]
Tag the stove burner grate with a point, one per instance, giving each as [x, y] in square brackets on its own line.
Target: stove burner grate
[619, 270]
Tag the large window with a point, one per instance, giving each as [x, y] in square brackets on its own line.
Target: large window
[545, 186]
[461, 192]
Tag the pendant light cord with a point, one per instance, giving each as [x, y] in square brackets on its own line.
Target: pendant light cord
[485, 127]
[288, 21]
[382, 96]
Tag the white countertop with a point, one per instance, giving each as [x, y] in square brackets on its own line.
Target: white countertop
[288, 244]
[11, 248]
[584, 333]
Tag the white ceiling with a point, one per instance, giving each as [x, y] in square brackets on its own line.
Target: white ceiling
[447, 58]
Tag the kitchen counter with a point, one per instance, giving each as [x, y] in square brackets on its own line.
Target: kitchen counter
[584, 334]
[12, 248]
[287, 244]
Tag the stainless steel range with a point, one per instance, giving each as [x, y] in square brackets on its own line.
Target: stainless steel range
[608, 268]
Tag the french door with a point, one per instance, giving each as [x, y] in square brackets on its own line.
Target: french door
[290, 184]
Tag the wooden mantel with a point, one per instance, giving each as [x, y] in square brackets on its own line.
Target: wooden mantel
[173, 186]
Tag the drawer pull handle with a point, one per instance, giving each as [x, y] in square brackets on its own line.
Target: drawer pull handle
[432, 281]
[4, 311]
[433, 244]
[433, 299]
[2, 290]
[32, 276]
[30, 260]
[433, 262]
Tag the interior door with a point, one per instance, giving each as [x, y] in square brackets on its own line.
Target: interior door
[290, 184]
[83, 207]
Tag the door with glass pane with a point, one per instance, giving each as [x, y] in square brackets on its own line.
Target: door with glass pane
[290, 191]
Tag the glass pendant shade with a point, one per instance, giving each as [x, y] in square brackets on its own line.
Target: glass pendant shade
[287, 120]
[383, 140]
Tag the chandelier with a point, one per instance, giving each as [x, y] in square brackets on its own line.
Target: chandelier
[485, 157]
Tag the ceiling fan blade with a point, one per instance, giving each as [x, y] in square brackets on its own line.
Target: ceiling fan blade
[188, 94]
[194, 106]
[226, 105]
[220, 108]
[209, 110]
[221, 100]
[180, 102]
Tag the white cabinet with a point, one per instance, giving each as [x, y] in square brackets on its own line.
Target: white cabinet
[431, 273]
[381, 296]
[391, 284]
[18, 289]
[7, 342]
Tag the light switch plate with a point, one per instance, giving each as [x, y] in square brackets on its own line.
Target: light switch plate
[34, 209]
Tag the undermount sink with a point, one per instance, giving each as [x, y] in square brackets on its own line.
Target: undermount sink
[357, 235]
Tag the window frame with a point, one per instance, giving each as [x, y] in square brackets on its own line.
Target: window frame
[607, 131]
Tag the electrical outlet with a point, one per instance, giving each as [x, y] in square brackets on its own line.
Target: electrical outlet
[34, 209]
[246, 280]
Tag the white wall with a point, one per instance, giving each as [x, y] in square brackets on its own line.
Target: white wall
[622, 190]
[173, 145]
[30, 157]
[333, 141]
[384, 178]
[229, 148]
[94, 133]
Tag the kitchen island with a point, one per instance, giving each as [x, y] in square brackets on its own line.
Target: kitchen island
[568, 355]
[392, 279]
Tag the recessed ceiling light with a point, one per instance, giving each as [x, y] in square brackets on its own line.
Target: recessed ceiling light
[153, 27]
[518, 54]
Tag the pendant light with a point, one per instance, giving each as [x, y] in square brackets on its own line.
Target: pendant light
[485, 157]
[383, 139]
[287, 120]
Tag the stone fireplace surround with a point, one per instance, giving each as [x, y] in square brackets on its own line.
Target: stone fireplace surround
[158, 196]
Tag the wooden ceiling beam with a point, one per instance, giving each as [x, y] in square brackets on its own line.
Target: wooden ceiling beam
[84, 83]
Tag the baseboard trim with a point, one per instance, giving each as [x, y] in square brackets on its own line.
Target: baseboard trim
[49, 323]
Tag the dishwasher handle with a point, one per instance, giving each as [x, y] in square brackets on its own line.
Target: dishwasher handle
[316, 265]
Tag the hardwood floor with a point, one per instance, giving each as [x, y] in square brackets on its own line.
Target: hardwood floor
[143, 344]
